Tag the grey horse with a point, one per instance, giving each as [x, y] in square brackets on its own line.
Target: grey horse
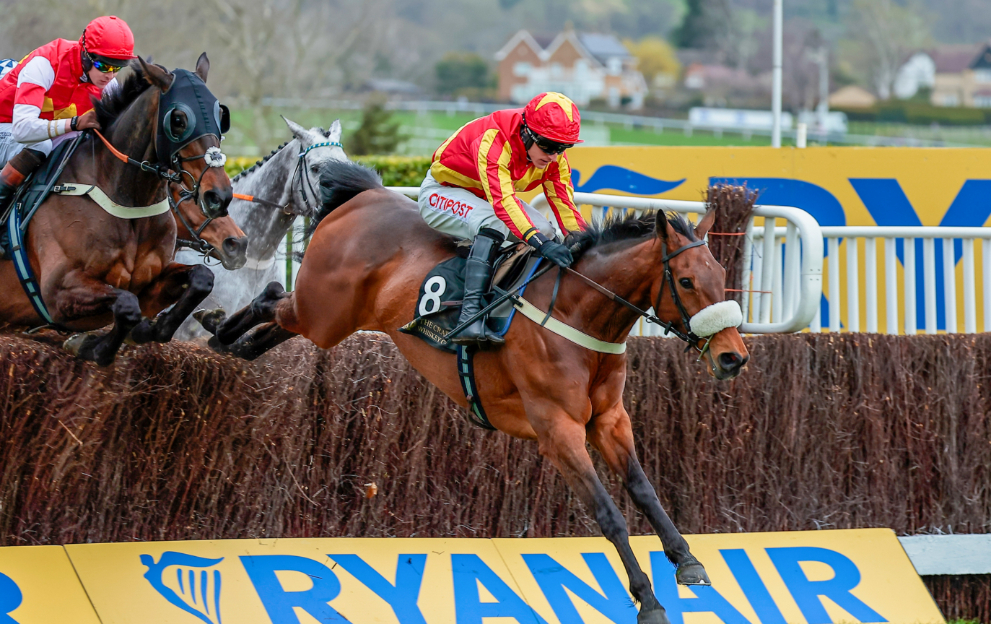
[285, 185]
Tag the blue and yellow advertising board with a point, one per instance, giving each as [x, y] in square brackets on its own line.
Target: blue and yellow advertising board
[885, 186]
[762, 578]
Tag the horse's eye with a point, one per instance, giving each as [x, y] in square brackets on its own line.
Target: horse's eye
[178, 119]
[314, 168]
[685, 283]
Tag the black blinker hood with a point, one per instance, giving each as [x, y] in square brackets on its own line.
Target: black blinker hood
[204, 114]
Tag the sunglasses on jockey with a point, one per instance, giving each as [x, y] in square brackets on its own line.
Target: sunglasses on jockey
[105, 65]
[549, 147]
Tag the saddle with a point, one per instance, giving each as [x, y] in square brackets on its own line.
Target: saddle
[438, 304]
[33, 192]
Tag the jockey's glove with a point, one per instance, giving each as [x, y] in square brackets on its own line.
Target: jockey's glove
[553, 251]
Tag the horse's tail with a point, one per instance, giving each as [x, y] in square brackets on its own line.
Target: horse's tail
[340, 181]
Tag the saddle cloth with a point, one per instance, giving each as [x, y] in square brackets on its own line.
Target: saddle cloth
[438, 304]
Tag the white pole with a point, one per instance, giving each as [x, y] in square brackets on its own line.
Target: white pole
[776, 87]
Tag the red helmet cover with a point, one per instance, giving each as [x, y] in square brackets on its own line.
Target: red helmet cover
[554, 116]
[110, 37]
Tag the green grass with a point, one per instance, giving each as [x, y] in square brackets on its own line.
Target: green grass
[427, 131]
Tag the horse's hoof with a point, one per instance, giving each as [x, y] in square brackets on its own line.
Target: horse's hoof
[692, 574]
[214, 344]
[655, 616]
[210, 319]
[75, 342]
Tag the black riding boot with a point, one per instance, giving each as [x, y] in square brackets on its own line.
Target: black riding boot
[478, 278]
[17, 168]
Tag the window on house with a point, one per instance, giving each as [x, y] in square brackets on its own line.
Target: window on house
[982, 76]
[521, 69]
[950, 99]
[555, 70]
[615, 65]
[982, 101]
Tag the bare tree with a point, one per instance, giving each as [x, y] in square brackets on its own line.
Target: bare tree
[883, 33]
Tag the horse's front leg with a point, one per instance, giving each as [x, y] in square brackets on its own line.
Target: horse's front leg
[612, 435]
[186, 286]
[90, 298]
[562, 441]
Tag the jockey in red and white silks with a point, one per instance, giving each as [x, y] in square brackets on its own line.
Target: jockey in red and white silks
[48, 95]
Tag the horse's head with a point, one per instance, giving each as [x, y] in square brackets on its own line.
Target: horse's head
[698, 283]
[316, 147]
[190, 124]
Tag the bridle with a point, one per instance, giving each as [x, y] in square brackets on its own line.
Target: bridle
[175, 173]
[669, 326]
[213, 158]
[300, 172]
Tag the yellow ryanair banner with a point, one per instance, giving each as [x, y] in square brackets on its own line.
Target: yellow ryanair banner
[884, 186]
[771, 578]
[836, 185]
[38, 584]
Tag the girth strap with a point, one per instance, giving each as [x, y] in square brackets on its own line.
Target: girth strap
[466, 375]
[22, 266]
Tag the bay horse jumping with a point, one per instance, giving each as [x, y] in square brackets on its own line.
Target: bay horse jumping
[362, 271]
[94, 268]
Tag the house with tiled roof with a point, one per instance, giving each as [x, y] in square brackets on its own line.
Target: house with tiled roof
[963, 76]
[583, 66]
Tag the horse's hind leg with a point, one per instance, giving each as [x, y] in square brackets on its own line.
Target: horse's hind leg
[563, 443]
[185, 286]
[261, 310]
[612, 435]
[103, 348]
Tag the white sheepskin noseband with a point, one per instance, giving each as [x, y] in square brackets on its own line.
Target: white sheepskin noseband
[715, 318]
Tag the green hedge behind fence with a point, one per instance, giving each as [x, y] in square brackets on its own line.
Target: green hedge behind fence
[395, 170]
[919, 113]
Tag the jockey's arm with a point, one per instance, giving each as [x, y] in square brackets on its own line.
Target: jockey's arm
[493, 157]
[560, 193]
[33, 82]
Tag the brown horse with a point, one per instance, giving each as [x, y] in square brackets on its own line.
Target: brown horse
[94, 268]
[219, 238]
[362, 271]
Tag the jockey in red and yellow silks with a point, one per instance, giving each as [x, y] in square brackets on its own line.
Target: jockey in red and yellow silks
[49, 94]
[470, 190]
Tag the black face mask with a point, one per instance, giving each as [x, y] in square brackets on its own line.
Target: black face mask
[188, 111]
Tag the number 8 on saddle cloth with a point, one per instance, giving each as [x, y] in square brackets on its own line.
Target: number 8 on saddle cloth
[438, 303]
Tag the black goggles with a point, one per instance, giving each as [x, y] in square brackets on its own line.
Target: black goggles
[103, 65]
[551, 148]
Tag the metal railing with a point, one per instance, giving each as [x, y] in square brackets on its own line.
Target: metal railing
[915, 286]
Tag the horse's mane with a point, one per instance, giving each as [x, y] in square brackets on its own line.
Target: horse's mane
[115, 102]
[627, 227]
[340, 181]
[260, 162]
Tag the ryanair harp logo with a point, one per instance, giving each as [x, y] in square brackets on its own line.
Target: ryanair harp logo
[188, 582]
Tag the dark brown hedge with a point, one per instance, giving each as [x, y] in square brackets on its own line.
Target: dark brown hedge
[174, 442]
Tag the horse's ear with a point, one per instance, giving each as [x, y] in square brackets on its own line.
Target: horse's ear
[661, 225]
[705, 223]
[202, 67]
[334, 133]
[298, 131]
[156, 75]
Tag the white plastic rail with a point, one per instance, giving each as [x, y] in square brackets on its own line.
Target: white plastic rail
[901, 312]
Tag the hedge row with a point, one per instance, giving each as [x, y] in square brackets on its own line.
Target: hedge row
[919, 113]
[174, 442]
[395, 170]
